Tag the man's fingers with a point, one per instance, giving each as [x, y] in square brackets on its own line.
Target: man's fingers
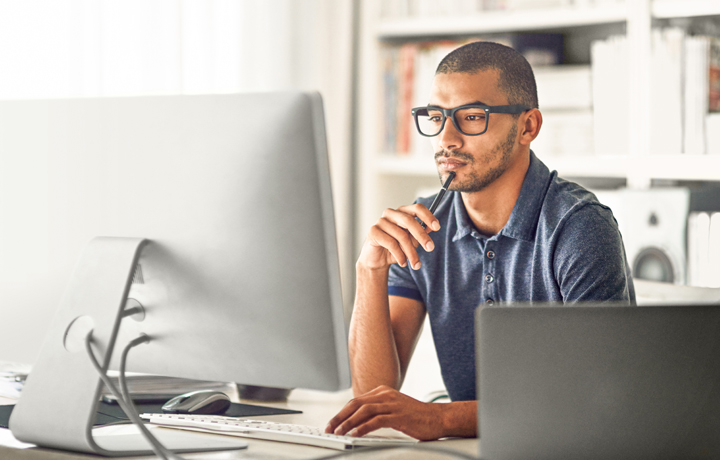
[372, 424]
[404, 217]
[355, 404]
[391, 244]
[395, 237]
[347, 410]
[423, 213]
[402, 238]
[385, 407]
[360, 417]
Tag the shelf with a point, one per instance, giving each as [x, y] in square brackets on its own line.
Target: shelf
[501, 21]
[685, 9]
[399, 175]
[406, 165]
[682, 167]
[614, 166]
[676, 167]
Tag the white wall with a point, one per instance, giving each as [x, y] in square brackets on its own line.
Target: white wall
[95, 48]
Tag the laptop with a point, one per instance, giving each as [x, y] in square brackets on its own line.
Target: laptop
[598, 382]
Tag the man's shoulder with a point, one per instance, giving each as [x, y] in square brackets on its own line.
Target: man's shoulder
[566, 199]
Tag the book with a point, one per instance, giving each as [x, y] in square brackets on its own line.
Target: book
[666, 96]
[564, 87]
[698, 249]
[695, 94]
[712, 133]
[407, 71]
[714, 76]
[713, 263]
[610, 94]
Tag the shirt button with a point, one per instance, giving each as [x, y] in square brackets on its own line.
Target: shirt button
[489, 278]
[490, 254]
[490, 301]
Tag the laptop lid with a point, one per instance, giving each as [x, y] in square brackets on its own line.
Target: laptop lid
[598, 382]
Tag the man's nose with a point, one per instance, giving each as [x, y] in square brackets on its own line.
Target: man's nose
[450, 138]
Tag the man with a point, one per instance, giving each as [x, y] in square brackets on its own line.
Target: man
[508, 231]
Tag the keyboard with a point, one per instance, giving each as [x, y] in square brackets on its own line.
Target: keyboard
[271, 431]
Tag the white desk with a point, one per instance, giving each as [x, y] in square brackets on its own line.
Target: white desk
[317, 409]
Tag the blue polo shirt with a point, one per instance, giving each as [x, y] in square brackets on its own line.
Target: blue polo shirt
[559, 245]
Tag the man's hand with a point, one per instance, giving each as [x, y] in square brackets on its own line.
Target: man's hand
[395, 237]
[385, 407]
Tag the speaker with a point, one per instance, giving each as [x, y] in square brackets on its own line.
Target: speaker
[653, 224]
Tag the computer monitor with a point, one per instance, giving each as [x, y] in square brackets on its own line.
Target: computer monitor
[239, 278]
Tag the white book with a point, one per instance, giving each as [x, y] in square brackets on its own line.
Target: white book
[712, 133]
[610, 93]
[713, 273]
[666, 91]
[695, 94]
[564, 86]
[692, 250]
[698, 248]
[565, 132]
[537, 4]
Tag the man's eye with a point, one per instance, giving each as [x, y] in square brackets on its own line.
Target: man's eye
[475, 117]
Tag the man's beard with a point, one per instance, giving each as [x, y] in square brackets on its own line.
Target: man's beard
[476, 182]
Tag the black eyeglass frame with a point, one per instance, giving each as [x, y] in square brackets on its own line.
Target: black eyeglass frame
[450, 113]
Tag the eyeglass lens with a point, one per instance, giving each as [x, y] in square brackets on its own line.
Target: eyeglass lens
[468, 121]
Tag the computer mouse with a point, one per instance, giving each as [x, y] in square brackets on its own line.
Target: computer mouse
[198, 402]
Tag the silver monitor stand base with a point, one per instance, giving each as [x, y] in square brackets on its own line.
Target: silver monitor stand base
[178, 441]
[59, 400]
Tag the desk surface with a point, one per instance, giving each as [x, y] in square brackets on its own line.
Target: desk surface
[317, 409]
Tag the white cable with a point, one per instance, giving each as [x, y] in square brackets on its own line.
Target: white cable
[418, 447]
[161, 451]
[155, 445]
[126, 393]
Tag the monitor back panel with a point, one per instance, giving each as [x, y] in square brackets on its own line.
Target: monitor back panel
[239, 282]
[599, 382]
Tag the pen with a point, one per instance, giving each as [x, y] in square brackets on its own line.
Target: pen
[440, 195]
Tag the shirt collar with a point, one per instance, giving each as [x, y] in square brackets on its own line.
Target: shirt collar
[462, 220]
[525, 213]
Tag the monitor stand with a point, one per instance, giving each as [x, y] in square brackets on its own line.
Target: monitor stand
[59, 400]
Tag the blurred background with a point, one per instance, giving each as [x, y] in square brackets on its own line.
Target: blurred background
[629, 91]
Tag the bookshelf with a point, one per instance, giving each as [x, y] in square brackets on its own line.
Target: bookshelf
[501, 21]
[684, 8]
[389, 180]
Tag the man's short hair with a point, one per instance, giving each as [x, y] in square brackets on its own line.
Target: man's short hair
[516, 76]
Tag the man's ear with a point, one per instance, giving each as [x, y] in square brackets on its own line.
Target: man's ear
[531, 121]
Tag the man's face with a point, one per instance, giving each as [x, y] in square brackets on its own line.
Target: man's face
[477, 160]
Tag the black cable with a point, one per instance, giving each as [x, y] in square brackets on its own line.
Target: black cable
[155, 445]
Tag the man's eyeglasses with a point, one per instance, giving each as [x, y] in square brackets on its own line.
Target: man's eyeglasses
[470, 120]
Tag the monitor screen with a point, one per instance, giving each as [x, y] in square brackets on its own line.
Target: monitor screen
[240, 278]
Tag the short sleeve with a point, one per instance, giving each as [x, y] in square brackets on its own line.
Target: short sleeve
[589, 260]
[402, 284]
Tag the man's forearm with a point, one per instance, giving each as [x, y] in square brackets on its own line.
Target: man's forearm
[373, 352]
